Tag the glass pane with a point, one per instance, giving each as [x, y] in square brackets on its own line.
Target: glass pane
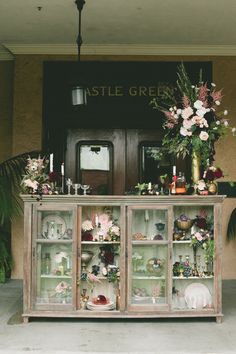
[100, 258]
[193, 257]
[54, 256]
[149, 224]
[153, 164]
[94, 157]
[149, 274]
[54, 273]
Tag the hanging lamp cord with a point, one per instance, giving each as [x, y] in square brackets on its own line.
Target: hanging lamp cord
[80, 5]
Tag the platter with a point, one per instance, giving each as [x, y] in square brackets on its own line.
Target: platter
[53, 227]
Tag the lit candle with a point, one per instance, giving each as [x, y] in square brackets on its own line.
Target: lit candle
[96, 220]
[146, 218]
[149, 186]
[174, 170]
[51, 163]
[62, 169]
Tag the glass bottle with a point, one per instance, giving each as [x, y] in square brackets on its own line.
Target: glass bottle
[173, 184]
[47, 264]
[180, 184]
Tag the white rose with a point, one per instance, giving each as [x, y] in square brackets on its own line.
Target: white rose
[187, 112]
[198, 104]
[203, 136]
[183, 131]
[179, 111]
[187, 124]
[226, 123]
[201, 112]
[225, 112]
[217, 122]
[217, 103]
[213, 85]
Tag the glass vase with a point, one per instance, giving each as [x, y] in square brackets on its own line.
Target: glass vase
[195, 168]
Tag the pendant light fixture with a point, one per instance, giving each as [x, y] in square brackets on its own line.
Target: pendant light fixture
[79, 91]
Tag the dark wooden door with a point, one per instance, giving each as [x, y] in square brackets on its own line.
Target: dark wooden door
[125, 156]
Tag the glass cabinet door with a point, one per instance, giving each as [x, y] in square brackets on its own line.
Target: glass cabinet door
[193, 258]
[148, 258]
[100, 269]
[53, 252]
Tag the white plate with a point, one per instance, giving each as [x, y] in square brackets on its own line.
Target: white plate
[53, 227]
[197, 296]
[91, 306]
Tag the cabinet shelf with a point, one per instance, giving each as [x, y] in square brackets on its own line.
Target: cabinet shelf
[55, 276]
[143, 277]
[41, 240]
[150, 242]
[194, 278]
[100, 242]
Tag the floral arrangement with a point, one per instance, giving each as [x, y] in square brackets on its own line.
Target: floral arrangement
[193, 122]
[105, 228]
[87, 225]
[212, 173]
[36, 180]
[113, 274]
[63, 290]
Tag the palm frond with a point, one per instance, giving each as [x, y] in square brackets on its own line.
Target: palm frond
[11, 172]
[231, 230]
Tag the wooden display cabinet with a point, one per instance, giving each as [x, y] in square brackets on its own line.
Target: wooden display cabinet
[122, 256]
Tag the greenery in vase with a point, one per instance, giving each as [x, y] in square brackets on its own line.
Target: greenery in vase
[192, 119]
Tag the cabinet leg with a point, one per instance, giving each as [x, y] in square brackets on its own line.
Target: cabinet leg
[219, 319]
[25, 319]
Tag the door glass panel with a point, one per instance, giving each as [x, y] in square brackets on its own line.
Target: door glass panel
[54, 257]
[101, 237]
[149, 224]
[94, 161]
[149, 249]
[193, 258]
[148, 274]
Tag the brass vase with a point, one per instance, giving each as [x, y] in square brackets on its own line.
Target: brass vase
[195, 167]
[212, 187]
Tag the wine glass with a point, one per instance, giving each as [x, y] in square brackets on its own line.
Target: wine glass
[76, 186]
[85, 187]
[69, 184]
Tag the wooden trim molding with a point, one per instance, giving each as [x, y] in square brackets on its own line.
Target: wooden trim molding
[122, 49]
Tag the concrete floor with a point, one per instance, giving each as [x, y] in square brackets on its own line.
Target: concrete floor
[202, 336]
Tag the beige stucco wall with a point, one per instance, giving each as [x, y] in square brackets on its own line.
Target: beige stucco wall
[27, 130]
[6, 96]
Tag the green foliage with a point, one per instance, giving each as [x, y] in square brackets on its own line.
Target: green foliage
[11, 172]
[231, 230]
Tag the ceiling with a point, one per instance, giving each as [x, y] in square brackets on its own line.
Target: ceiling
[118, 27]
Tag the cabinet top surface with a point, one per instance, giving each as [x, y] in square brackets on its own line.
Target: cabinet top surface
[125, 199]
